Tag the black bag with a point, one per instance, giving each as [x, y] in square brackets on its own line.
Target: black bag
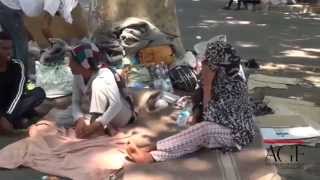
[183, 78]
[252, 1]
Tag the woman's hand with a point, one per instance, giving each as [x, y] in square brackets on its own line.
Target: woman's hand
[195, 117]
[192, 120]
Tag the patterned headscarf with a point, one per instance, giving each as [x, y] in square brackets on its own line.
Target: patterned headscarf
[222, 54]
[86, 55]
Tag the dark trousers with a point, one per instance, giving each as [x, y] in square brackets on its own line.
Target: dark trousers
[25, 107]
[239, 3]
[12, 22]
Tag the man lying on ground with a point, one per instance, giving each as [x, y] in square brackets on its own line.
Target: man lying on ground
[227, 118]
[16, 102]
[96, 85]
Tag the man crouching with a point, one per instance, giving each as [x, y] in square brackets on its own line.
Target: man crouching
[16, 101]
[97, 103]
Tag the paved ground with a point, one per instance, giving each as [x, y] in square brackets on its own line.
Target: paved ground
[279, 36]
[273, 37]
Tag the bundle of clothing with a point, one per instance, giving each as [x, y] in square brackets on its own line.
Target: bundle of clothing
[135, 34]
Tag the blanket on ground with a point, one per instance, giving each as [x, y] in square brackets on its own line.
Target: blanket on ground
[206, 164]
[57, 151]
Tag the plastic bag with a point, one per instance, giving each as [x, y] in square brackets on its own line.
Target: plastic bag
[56, 80]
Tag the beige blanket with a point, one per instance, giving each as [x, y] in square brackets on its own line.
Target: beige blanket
[249, 164]
[58, 152]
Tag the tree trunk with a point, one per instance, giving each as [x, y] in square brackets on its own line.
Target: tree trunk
[161, 13]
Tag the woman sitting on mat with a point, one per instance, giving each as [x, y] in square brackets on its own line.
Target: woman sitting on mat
[227, 117]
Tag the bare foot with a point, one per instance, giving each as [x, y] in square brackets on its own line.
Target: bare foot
[138, 155]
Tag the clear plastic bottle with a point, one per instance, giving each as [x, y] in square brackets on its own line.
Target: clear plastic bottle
[166, 82]
[184, 115]
[156, 76]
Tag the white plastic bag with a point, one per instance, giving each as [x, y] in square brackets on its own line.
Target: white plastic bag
[55, 80]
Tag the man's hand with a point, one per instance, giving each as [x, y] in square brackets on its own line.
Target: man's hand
[96, 129]
[86, 131]
[5, 126]
[80, 127]
[47, 33]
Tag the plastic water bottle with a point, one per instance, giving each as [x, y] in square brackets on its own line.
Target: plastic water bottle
[156, 76]
[166, 81]
[184, 115]
[169, 86]
[183, 118]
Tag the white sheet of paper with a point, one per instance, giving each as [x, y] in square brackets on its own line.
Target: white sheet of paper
[289, 133]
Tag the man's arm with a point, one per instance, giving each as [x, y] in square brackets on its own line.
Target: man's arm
[76, 100]
[105, 105]
[46, 23]
[105, 99]
[18, 80]
[50, 8]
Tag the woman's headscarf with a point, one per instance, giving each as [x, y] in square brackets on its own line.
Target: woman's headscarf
[222, 54]
[87, 55]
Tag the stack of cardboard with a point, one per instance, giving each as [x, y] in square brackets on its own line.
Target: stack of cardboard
[294, 122]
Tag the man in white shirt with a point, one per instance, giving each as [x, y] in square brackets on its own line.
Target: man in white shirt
[11, 19]
[97, 88]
